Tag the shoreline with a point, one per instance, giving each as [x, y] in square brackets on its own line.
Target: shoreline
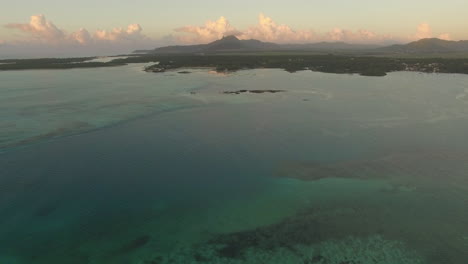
[339, 64]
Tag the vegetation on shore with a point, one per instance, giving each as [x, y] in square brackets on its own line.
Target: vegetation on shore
[54, 63]
[363, 65]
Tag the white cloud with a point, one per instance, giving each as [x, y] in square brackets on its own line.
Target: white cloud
[131, 33]
[212, 30]
[359, 36]
[40, 29]
[45, 35]
[41, 34]
[445, 36]
[81, 36]
[268, 30]
[46, 32]
[424, 30]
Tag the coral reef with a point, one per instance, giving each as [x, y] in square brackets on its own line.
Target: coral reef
[351, 250]
[134, 244]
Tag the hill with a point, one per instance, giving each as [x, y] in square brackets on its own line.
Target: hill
[430, 45]
[233, 44]
[228, 43]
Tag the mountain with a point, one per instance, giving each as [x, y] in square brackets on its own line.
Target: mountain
[329, 46]
[228, 43]
[233, 44]
[429, 45]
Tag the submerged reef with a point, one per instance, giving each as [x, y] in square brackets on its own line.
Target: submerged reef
[345, 232]
[135, 244]
[351, 250]
[430, 169]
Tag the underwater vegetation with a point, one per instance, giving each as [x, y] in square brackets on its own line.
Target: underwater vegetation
[381, 228]
[369, 250]
[134, 244]
[428, 169]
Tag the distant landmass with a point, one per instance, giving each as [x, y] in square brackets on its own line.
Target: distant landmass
[229, 43]
[227, 55]
[233, 44]
[430, 45]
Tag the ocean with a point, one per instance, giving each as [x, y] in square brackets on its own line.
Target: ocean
[116, 165]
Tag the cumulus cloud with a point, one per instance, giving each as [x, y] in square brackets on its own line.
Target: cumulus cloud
[42, 34]
[424, 30]
[131, 33]
[445, 36]
[40, 29]
[212, 30]
[81, 36]
[360, 36]
[268, 30]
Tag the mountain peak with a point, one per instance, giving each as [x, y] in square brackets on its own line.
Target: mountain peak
[226, 43]
[430, 45]
[230, 38]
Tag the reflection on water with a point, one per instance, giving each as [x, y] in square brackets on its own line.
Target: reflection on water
[107, 59]
[338, 169]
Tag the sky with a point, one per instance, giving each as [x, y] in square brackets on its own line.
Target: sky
[40, 27]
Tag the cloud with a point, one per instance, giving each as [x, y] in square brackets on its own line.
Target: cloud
[40, 29]
[268, 30]
[41, 34]
[424, 30]
[81, 36]
[359, 37]
[212, 30]
[445, 36]
[131, 33]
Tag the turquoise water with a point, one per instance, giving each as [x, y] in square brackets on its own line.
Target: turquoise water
[121, 166]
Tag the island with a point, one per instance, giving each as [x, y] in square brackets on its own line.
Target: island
[230, 54]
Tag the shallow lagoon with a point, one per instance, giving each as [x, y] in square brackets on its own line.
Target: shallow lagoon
[121, 166]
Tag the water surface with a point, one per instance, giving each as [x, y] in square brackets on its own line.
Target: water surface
[117, 165]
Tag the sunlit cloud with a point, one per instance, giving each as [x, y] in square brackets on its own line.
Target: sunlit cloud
[362, 36]
[82, 36]
[40, 29]
[43, 35]
[268, 30]
[424, 30]
[212, 30]
[445, 36]
[132, 33]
